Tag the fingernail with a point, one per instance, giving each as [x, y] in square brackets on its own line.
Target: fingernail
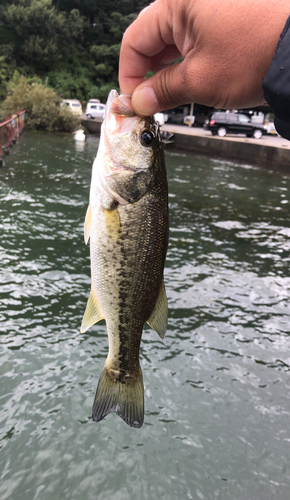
[122, 106]
[144, 101]
[126, 100]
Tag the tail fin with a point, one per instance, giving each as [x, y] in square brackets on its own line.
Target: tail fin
[126, 398]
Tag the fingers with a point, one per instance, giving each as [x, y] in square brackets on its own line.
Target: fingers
[165, 58]
[166, 89]
[227, 48]
[192, 80]
[149, 44]
[143, 41]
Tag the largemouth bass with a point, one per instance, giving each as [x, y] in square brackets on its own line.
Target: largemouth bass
[127, 223]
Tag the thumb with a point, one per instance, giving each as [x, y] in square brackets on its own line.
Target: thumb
[165, 90]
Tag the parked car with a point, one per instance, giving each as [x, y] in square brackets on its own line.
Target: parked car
[74, 105]
[223, 123]
[95, 109]
[189, 120]
[176, 115]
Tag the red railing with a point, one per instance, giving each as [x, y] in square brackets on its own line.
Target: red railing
[13, 127]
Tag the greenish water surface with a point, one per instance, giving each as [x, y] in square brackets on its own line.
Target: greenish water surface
[217, 404]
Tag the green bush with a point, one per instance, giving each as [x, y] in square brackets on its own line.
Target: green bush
[42, 106]
[66, 121]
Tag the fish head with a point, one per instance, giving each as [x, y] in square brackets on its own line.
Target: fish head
[129, 145]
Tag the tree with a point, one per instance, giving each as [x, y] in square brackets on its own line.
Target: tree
[31, 27]
[73, 45]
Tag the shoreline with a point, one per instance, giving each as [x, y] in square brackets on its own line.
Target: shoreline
[270, 152]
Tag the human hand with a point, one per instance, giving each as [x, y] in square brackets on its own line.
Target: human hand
[227, 47]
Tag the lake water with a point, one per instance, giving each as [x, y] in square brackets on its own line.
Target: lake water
[217, 389]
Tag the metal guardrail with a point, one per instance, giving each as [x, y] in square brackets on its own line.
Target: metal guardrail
[13, 127]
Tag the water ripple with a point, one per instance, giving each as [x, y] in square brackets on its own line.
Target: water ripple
[216, 389]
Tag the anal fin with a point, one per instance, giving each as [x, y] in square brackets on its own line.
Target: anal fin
[158, 319]
[92, 314]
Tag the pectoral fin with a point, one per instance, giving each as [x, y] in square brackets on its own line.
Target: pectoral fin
[158, 319]
[87, 227]
[113, 224]
[92, 314]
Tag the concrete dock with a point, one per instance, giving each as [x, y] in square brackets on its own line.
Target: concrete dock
[269, 152]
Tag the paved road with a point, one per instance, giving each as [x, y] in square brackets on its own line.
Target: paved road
[266, 140]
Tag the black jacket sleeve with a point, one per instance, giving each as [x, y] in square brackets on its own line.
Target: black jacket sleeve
[276, 84]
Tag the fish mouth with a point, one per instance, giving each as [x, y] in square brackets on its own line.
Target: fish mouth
[111, 97]
[118, 105]
[119, 116]
[121, 106]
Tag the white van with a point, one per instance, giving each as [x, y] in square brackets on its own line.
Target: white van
[95, 109]
[74, 105]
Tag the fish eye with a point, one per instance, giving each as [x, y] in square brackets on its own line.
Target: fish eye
[147, 137]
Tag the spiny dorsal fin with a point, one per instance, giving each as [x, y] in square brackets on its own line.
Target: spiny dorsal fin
[92, 314]
[87, 227]
[158, 319]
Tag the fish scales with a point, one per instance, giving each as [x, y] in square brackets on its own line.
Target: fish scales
[128, 243]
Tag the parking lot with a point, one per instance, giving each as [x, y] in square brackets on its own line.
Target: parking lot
[266, 140]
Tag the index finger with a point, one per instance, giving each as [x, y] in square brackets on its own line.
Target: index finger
[144, 39]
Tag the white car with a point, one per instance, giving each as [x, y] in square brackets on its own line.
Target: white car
[95, 109]
[73, 105]
[189, 120]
